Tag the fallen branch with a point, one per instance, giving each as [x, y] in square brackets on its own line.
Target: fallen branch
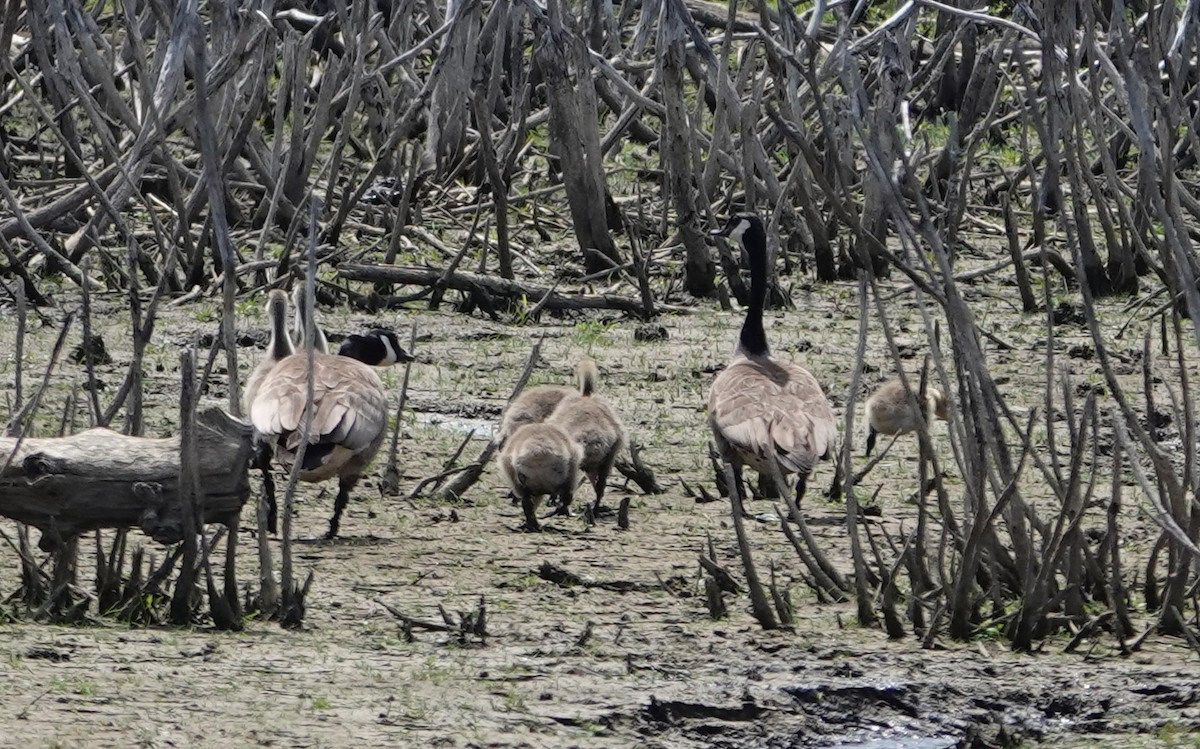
[1043, 255]
[470, 473]
[496, 288]
[638, 472]
[564, 578]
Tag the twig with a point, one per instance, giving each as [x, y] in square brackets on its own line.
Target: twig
[391, 473]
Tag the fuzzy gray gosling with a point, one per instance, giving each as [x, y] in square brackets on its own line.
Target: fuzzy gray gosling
[280, 346]
[889, 410]
[534, 405]
[593, 425]
[540, 459]
[300, 322]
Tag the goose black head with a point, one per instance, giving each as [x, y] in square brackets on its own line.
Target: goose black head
[737, 226]
[379, 348]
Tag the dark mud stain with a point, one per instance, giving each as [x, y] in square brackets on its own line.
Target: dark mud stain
[856, 713]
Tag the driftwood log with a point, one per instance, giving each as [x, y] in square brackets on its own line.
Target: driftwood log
[496, 288]
[64, 486]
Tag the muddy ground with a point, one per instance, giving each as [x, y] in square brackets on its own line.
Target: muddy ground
[628, 658]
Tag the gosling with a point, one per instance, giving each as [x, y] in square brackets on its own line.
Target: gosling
[593, 426]
[540, 459]
[279, 348]
[300, 323]
[890, 411]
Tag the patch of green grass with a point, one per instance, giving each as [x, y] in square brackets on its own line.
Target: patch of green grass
[589, 333]
[1173, 734]
[432, 671]
[320, 703]
[84, 688]
[514, 701]
[206, 313]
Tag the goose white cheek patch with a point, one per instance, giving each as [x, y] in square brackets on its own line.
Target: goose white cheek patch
[391, 357]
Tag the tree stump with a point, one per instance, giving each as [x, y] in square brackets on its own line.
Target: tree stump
[65, 486]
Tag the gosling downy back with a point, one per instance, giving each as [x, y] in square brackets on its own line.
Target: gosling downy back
[534, 405]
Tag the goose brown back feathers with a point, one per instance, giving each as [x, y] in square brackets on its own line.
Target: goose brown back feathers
[349, 411]
[762, 408]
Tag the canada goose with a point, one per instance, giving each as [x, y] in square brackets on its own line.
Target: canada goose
[300, 322]
[349, 411]
[532, 406]
[593, 426]
[539, 459]
[889, 410]
[763, 411]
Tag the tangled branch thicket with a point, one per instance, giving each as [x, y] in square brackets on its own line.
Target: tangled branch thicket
[198, 140]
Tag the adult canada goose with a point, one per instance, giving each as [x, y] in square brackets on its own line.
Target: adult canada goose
[300, 322]
[762, 411]
[539, 459]
[593, 426]
[889, 410]
[534, 405]
[349, 410]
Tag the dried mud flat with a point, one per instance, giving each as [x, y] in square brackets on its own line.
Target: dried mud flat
[626, 657]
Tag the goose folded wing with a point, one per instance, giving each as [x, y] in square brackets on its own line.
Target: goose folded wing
[349, 404]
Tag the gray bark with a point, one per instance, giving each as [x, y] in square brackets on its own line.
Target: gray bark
[99, 478]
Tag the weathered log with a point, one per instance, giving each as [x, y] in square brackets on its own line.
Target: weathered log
[99, 478]
[493, 287]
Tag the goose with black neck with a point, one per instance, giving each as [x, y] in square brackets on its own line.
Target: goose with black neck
[764, 413]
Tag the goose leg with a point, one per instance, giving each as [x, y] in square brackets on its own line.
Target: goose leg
[602, 481]
[262, 460]
[530, 509]
[565, 496]
[345, 484]
[835, 489]
[801, 486]
[871, 434]
[739, 486]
